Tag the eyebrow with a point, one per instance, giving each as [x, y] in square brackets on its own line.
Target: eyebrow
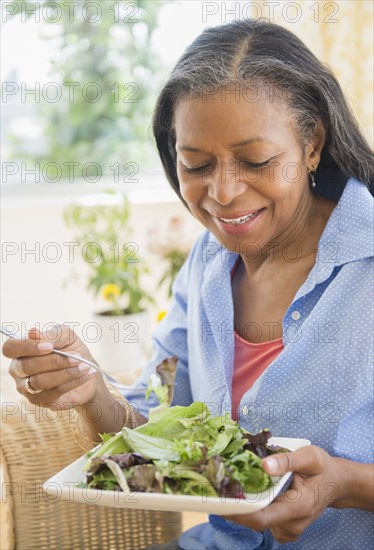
[233, 145]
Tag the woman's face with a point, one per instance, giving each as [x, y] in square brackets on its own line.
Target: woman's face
[242, 171]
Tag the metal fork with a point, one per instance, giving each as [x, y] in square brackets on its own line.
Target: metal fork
[105, 375]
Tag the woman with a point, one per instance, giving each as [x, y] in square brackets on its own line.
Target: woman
[271, 310]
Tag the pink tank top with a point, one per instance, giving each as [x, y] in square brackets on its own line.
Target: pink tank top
[250, 361]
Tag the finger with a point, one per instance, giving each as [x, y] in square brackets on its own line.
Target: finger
[14, 348]
[55, 379]
[59, 335]
[39, 343]
[288, 505]
[35, 344]
[308, 460]
[31, 366]
[53, 398]
[35, 334]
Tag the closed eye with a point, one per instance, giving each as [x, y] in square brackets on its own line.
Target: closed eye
[256, 164]
[205, 167]
[197, 170]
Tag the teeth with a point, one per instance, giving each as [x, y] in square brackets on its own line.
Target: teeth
[242, 219]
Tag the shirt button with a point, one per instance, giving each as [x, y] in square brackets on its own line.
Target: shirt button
[295, 315]
[244, 410]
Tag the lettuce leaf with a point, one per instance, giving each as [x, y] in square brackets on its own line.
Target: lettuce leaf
[149, 446]
[162, 383]
[246, 468]
[111, 445]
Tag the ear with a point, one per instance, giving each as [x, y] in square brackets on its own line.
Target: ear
[314, 148]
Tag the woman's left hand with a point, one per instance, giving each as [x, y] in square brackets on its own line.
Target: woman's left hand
[317, 483]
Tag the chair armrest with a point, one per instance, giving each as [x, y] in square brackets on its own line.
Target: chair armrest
[6, 507]
[36, 444]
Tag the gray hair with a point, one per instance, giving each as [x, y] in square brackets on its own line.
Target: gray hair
[262, 56]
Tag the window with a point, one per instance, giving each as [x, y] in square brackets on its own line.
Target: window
[79, 83]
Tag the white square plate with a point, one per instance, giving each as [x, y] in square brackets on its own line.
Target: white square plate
[63, 486]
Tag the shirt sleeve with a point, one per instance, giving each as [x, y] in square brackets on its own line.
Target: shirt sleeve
[169, 339]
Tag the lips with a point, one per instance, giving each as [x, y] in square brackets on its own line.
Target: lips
[237, 218]
[240, 219]
[239, 223]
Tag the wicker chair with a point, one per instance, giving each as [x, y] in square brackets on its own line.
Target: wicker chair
[34, 446]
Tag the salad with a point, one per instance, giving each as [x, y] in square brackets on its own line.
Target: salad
[181, 450]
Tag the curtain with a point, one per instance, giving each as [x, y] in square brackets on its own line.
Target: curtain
[339, 33]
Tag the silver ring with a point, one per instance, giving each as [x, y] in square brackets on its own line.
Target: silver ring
[29, 387]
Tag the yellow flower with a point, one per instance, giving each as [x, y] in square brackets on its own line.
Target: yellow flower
[110, 291]
[160, 315]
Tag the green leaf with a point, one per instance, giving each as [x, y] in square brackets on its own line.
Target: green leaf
[149, 446]
[110, 446]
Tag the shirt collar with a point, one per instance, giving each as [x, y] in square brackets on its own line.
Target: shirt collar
[347, 237]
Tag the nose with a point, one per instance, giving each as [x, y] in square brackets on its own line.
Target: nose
[225, 183]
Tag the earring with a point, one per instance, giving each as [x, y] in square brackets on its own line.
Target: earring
[312, 174]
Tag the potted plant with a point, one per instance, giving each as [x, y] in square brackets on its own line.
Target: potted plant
[171, 241]
[115, 277]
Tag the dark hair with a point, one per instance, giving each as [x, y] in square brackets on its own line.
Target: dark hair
[256, 52]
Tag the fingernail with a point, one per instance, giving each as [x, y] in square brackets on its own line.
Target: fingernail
[271, 465]
[83, 367]
[86, 369]
[45, 346]
[91, 371]
[73, 361]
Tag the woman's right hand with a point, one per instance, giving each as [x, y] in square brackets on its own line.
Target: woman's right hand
[65, 382]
